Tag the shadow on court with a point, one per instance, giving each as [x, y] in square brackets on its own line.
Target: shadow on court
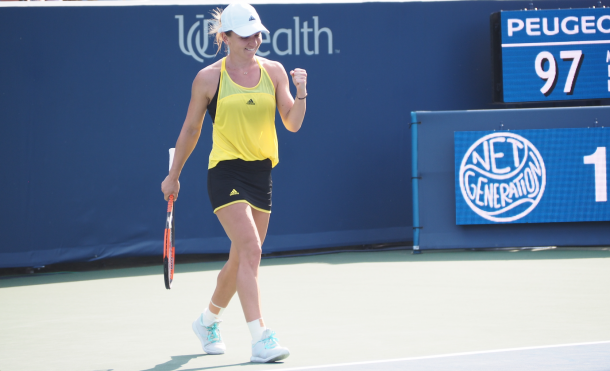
[333, 258]
[277, 364]
[178, 361]
[271, 365]
[175, 363]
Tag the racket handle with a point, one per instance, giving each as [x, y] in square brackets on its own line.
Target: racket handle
[171, 157]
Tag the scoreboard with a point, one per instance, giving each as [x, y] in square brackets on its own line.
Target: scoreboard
[551, 55]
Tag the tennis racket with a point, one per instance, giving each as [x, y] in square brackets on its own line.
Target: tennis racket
[169, 248]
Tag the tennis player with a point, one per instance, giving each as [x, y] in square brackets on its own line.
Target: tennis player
[241, 93]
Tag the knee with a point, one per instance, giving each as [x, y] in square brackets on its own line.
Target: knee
[250, 254]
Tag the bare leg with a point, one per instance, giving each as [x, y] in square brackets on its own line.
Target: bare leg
[247, 229]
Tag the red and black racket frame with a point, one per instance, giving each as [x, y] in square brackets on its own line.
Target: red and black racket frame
[169, 248]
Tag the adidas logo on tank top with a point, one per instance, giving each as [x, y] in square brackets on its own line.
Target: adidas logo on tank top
[251, 102]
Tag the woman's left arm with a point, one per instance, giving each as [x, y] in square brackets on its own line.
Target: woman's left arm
[291, 110]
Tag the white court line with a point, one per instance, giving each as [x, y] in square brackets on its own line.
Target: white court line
[439, 356]
[558, 43]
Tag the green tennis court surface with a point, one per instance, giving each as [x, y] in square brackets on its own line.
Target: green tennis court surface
[347, 311]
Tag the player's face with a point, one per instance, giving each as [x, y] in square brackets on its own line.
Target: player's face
[245, 45]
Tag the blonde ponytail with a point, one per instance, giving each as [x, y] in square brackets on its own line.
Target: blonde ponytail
[215, 29]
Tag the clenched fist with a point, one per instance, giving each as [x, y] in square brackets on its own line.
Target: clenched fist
[299, 79]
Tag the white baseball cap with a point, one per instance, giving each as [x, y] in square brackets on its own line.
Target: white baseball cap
[242, 19]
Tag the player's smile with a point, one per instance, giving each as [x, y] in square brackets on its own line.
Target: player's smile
[252, 42]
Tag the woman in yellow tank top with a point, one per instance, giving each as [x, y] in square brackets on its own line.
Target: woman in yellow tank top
[241, 93]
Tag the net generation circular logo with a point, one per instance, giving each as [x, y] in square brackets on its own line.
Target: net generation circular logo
[502, 177]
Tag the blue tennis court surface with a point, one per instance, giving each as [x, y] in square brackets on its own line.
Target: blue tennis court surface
[569, 357]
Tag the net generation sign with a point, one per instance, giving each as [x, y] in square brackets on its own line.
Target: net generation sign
[531, 176]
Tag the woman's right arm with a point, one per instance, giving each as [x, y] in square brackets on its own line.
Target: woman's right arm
[189, 133]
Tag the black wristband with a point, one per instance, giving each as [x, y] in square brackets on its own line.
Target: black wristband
[302, 98]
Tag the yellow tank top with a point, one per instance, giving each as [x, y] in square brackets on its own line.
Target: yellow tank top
[245, 121]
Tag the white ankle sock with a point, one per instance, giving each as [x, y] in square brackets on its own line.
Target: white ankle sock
[221, 309]
[208, 318]
[257, 328]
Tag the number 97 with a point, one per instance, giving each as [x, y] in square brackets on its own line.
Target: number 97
[550, 75]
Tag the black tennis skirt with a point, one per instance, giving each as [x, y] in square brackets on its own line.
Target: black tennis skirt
[236, 181]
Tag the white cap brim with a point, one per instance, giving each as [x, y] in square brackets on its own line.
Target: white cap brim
[250, 29]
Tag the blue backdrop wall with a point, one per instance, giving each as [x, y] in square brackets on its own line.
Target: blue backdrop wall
[92, 97]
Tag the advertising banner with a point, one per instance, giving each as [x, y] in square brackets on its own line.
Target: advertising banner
[531, 176]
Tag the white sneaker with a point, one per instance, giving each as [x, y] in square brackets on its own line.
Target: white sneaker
[267, 349]
[210, 338]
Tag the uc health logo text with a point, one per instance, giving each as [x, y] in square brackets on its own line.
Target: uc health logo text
[302, 37]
